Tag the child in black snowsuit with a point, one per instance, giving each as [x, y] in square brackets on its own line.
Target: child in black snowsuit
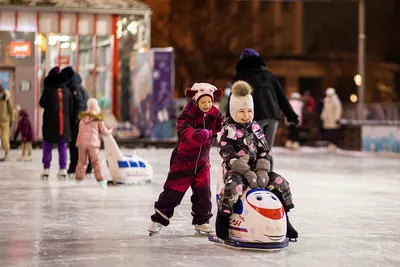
[246, 157]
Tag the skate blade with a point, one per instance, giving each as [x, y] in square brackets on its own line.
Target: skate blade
[44, 177]
[153, 233]
[293, 240]
[202, 233]
[62, 178]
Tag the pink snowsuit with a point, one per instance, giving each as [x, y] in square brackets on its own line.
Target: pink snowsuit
[88, 144]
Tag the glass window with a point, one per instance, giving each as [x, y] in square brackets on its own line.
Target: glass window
[86, 64]
[104, 69]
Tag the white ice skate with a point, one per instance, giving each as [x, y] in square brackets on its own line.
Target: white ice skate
[295, 146]
[288, 144]
[28, 159]
[62, 174]
[203, 229]
[154, 228]
[71, 175]
[45, 174]
[103, 184]
[21, 158]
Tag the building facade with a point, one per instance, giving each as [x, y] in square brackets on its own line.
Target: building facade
[94, 38]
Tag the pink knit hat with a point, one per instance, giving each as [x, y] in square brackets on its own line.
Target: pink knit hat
[199, 90]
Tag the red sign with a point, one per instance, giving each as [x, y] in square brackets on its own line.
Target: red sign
[20, 49]
[63, 60]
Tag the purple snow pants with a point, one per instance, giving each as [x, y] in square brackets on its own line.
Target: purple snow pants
[62, 154]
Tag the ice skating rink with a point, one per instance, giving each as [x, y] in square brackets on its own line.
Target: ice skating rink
[347, 214]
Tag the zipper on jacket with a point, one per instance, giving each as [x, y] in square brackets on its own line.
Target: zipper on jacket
[201, 145]
[60, 111]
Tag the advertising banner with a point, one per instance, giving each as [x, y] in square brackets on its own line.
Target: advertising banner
[380, 138]
[163, 92]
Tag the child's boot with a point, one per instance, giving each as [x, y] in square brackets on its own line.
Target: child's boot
[62, 174]
[291, 233]
[45, 174]
[222, 227]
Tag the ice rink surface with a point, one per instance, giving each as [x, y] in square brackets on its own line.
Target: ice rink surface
[347, 214]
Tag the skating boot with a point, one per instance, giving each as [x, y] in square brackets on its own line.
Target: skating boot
[295, 146]
[288, 144]
[203, 229]
[45, 174]
[71, 174]
[103, 184]
[154, 228]
[62, 174]
[332, 148]
[21, 158]
[79, 182]
[291, 233]
[28, 159]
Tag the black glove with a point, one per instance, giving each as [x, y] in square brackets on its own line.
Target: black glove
[296, 120]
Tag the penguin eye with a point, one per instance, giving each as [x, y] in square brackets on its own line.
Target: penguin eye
[259, 198]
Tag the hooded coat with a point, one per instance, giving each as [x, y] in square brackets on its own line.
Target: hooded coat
[56, 101]
[269, 97]
[79, 95]
[24, 127]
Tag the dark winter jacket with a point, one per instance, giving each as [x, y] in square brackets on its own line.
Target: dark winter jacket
[24, 127]
[240, 141]
[269, 97]
[57, 103]
[79, 96]
[189, 124]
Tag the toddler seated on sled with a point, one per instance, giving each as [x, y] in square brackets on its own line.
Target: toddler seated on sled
[246, 158]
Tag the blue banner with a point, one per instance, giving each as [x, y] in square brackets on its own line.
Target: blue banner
[163, 93]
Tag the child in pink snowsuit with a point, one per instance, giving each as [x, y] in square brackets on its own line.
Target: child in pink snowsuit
[88, 142]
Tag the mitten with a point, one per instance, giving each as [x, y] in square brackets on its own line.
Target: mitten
[251, 178]
[240, 166]
[296, 120]
[203, 135]
[262, 178]
[263, 164]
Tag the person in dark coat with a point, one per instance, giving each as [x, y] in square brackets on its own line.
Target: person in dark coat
[56, 101]
[269, 96]
[80, 98]
[25, 128]
[190, 160]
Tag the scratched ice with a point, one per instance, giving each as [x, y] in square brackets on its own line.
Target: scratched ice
[347, 214]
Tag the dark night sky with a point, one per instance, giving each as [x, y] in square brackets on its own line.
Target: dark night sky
[381, 22]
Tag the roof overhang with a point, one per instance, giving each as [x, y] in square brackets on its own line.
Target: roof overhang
[117, 11]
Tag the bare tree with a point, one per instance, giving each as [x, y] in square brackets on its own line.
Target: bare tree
[208, 36]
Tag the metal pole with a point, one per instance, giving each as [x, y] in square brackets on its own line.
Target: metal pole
[361, 57]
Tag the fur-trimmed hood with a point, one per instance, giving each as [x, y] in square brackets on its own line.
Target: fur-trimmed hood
[88, 116]
[57, 80]
[251, 63]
